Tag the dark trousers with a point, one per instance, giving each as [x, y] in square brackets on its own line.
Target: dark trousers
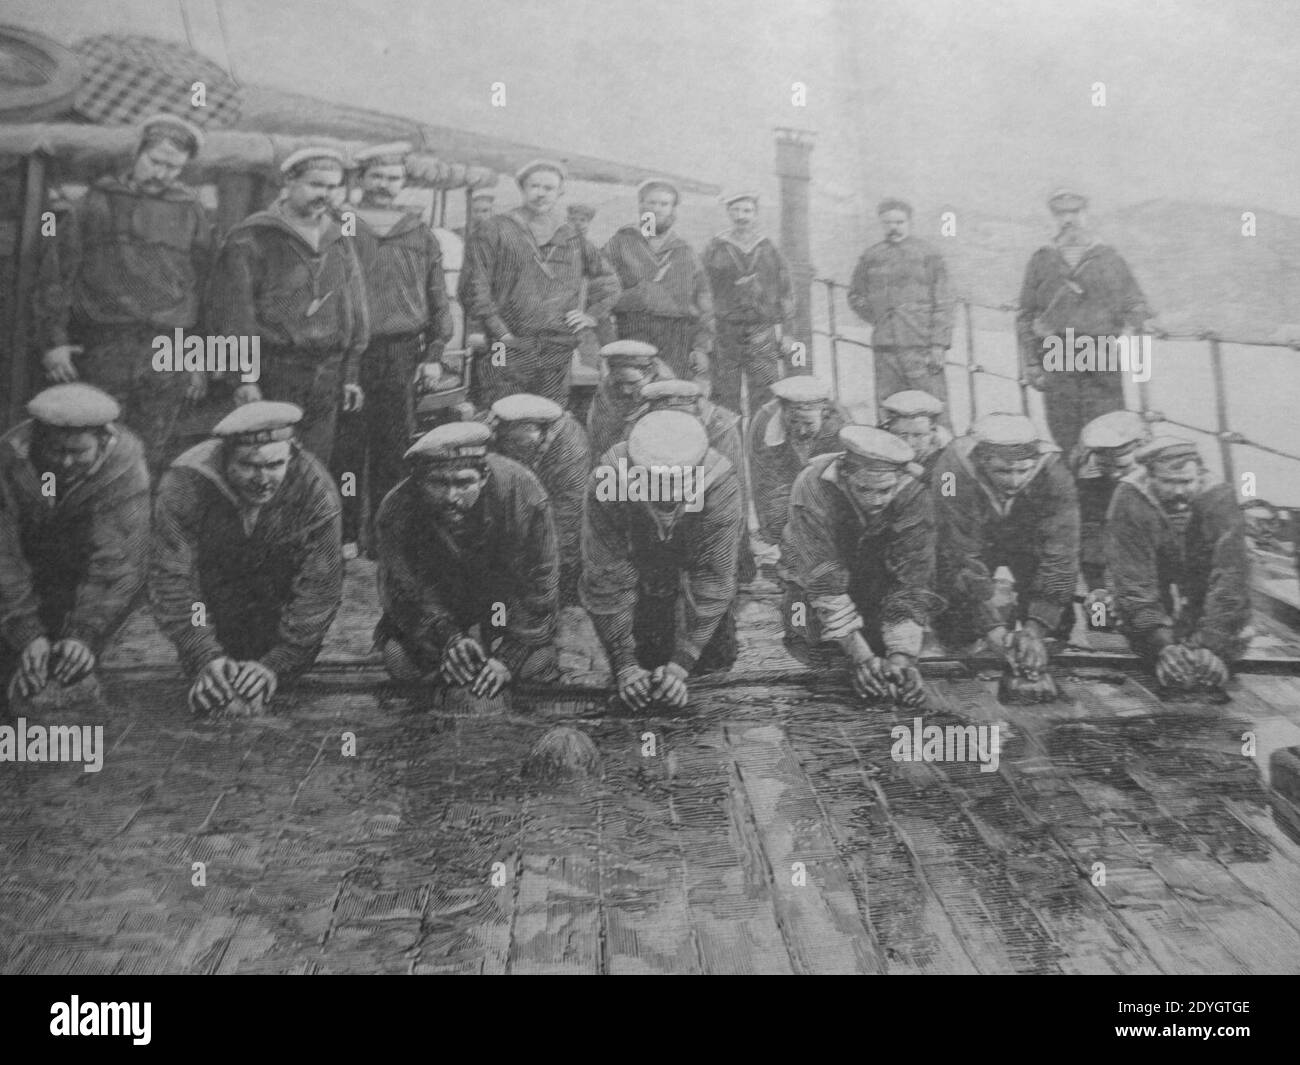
[1072, 399]
[749, 351]
[538, 365]
[119, 360]
[371, 442]
[314, 381]
[654, 628]
[908, 369]
[672, 336]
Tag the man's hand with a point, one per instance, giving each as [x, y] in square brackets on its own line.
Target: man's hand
[698, 364]
[580, 320]
[670, 686]
[197, 386]
[213, 688]
[1026, 651]
[427, 376]
[57, 363]
[353, 398]
[463, 659]
[1175, 668]
[494, 676]
[905, 679]
[34, 666]
[869, 678]
[1210, 670]
[254, 680]
[937, 356]
[247, 393]
[787, 344]
[72, 660]
[634, 687]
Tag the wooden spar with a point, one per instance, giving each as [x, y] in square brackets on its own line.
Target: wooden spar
[28, 260]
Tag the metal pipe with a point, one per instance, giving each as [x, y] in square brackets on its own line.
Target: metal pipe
[835, 351]
[1221, 411]
[972, 368]
[28, 262]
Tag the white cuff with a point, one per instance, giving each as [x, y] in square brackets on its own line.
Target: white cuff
[838, 616]
[903, 637]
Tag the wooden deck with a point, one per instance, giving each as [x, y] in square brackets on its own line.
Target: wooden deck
[684, 861]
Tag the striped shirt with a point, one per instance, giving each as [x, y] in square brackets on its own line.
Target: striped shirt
[405, 287]
[750, 285]
[668, 283]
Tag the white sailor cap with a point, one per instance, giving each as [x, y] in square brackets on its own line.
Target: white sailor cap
[525, 407]
[667, 438]
[391, 154]
[1173, 450]
[1012, 435]
[1067, 200]
[483, 194]
[801, 390]
[74, 406]
[912, 403]
[521, 175]
[637, 352]
[866, 447]
[327, 156]
[736, 197]
[658, 183]
[455, 443]
[187, 131]
[1115, 429]
[260, 422]
[671, 392]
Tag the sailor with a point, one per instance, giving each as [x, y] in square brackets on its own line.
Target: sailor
[630, 365]
[1079, 284]
[1178, 566]
[659, 568]
[247, 570]
[1004, 497]
[539, 287]
[468, 567]
[548, 440]
[858, 558]
[580, 216]
[289, 276]
[127, 267]
[1105, 454]
[787, 432]
[666, 300]
[410, 324]
[900, 287]
[74, 536]
[754, 301]
[916, 418]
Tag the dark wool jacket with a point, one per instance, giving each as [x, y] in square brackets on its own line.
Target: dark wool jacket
[607, 418]
[669, 283]
[624, 551]
[563, 465]
[72, 566]
[433, 589]
[125, 258]
[774, 463]
[886, 563]
[283, 581]
[267, 279]
[902, 291]
[406, 291]
[1039, 531]
[751, 287]
[1210, 563]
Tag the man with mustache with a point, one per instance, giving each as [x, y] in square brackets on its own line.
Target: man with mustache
[914, 417]
[290, 276]
[126, 267]
[857, 555]
[630, 365]
[785, 435]
[74, 536]
[410, 324]
[754, 301]
[468, 567]
[1178, 566]
[666, 300]
[540, 288]
[247, 570]
[1003, 497]
[1078, 283]
[900, 287]
[548, 440]
[659, 577]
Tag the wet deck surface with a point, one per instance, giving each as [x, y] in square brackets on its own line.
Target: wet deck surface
[683, 861]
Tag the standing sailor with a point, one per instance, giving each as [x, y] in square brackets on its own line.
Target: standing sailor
[858, 555]
[1179, 566]
[754, 302]
[468, 567]
[247, 569]
[74, 536]
[290, 277]
[666, 300]
[659, 568]
[127, 267]
[539, 287]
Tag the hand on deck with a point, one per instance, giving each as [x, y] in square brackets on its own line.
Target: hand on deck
[463, 660]
[634, 687]
[34, 666]
[213, 688]
[72, 660]
[905, 680]
[1175, 667]
[494, 676]
[353, 398]
[670, 686]
[255, 680]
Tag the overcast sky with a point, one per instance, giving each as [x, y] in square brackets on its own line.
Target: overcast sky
[980, 104]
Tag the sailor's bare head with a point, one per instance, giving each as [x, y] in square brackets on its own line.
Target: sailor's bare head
[896, 219]
[658, 198]
[541, 184]
[166, 145]
[312, 180]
